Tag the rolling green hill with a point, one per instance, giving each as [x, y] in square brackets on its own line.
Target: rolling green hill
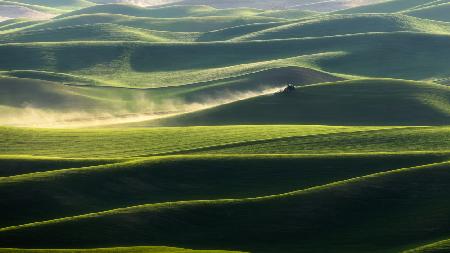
[17, 165]
[318, 5]
[123, 190]
[196, 127]
[390, 6]
[117, 250]
[130, 64]
[18, 5]
[97, 32]
[164, 12]
[215, 140]
[188, 24]
[250, 223]
[434, 12]
[237, 31]
[60, 4]
[289, 14]
[348, 24]
[182, 178]
[68, 99]
[426, 9]
[438, 247]
[361, 102]
[69, 186]
[15, 24]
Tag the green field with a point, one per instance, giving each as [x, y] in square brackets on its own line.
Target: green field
[204, 126]
[229, 171]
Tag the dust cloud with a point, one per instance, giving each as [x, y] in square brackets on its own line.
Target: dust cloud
[30, 116]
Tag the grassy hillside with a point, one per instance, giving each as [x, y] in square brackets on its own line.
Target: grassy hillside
[348, 24]
[131, 63]
[273, 79]
[289, 14]
[117, 250]
[145, 142]
[182, 178]
[386, 140]
[172, 129]
[15, 24]
[188, 24]
[279, 218]
[361, 102]
[315, 5]
[390, 6]
[438, 247]
[237, 31]
[13, 10]
[96, 32]
[67, 99]
[60, 4]
[426, 9]
[23, 5]
[22, 93]
[434, 12]
[70, 187]
[164, 12]
[221, 139]
[17, 165]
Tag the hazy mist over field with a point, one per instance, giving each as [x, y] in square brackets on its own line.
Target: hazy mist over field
[224, 126]
[142, 109]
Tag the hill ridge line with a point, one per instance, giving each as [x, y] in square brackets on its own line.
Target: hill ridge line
[55, 172]
[65, 43]
[196, 202]
[21, 32]
[249, 142]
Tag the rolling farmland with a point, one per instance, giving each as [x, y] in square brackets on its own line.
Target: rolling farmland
[211, 127]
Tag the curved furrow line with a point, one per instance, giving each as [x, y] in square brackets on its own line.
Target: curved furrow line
[181, 204]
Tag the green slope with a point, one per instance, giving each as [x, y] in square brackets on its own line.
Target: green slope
[117, 250]
[361, 102]
[60, 4]
[182, 178]
[164, 12]
[68, 99]
[272, 79]
[434, 12]
[270, 224]
[18, 5]
[15, 24]
[289, 14]
[127, 192]
[368, 170]
[391, 6]
[318, 5]
[348, 24]
[96, 32]
[188, 24]
[23, 93]
[153, 141]
[123, 143]
[438, 247]
[236, 31]
[139, 64]
[17, 165]
[386, 140]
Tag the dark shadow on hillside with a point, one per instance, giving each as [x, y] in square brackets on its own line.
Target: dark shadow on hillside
[407, 56]
[81, 57]
[253, 82]
[147, 58]
[378, 213]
